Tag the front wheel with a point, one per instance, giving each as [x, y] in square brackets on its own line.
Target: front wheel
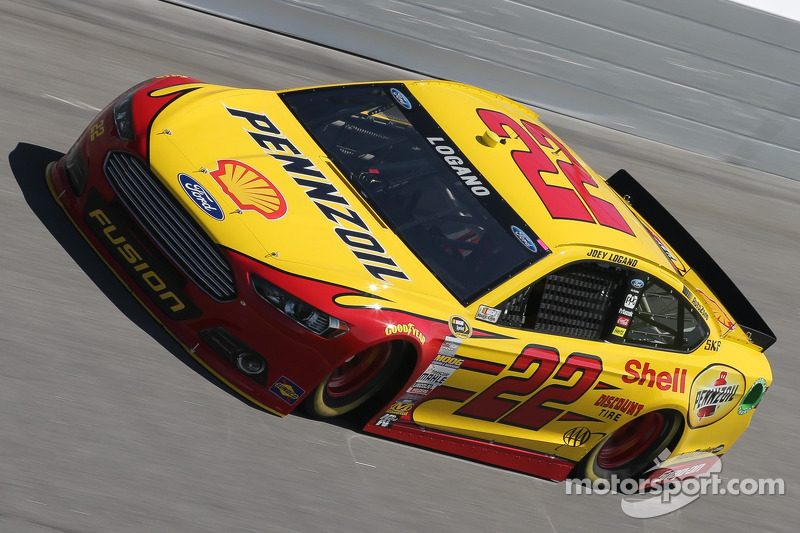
[355, 381]
[631, 451]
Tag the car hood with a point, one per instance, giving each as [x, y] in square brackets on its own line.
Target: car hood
[256, 182]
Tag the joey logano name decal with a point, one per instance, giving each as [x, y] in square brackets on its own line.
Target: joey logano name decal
[351, 229]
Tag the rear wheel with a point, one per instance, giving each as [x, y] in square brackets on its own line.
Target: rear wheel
[355, 381]
[632, 450]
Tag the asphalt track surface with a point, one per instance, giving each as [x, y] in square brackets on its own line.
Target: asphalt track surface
[107, 426]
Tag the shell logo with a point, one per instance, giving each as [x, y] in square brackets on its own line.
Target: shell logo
[249, 189]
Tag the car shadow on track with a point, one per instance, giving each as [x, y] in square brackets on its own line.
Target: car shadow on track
[28, 163]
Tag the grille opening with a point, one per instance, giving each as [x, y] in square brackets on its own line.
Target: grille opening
[169, 225]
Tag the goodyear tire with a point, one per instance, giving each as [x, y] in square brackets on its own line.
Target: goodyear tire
[355, 381]
[632, 450]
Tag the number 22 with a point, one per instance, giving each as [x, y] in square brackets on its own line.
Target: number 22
[493, 404]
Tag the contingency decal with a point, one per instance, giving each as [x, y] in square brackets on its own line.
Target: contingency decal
[288, 391]
[571, 203]
[628, 305]
[249, 189]
[442, 367]
[351, 229]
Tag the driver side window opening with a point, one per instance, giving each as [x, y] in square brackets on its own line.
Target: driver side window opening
[606, 302]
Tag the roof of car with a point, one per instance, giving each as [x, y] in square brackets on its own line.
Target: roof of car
[560, 197]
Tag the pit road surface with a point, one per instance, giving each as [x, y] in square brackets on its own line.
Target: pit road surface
[107, 426]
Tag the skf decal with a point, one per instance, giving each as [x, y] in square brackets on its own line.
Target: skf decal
[714, 394]
[351, 229]
[622, 406]
[407, 329]
[459, 327]
[642, 374]
[713, 346]
[250, 189]
[201, 197]
[286, 390]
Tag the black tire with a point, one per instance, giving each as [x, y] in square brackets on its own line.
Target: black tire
[632, 450]
[355, 381]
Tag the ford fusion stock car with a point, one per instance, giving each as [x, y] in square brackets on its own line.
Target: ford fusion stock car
[428, 255]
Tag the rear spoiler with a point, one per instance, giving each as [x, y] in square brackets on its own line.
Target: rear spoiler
[693, 253]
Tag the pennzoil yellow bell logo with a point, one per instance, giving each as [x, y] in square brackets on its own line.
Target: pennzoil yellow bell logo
[249, 189]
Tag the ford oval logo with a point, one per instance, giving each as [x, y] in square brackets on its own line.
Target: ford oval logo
[200, 196]
[526, 241]
[637, 283]
[401, 98]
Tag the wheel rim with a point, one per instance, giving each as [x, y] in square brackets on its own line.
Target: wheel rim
[352, 375]
[631, 441]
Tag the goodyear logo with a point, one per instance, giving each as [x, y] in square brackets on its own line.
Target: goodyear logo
[286, 390]
[250, 189]
[407, 329]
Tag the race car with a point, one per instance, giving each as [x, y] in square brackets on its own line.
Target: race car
[424, 254]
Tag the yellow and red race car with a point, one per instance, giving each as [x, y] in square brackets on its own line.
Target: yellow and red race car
[427, 254]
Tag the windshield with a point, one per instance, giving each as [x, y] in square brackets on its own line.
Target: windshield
[420, 184]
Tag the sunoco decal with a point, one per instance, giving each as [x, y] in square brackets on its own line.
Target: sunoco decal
[349, 227]
[201, 197]
[287, 390]
[714, 394]
[249, 189]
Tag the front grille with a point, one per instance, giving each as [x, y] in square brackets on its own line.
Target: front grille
[169, 225]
